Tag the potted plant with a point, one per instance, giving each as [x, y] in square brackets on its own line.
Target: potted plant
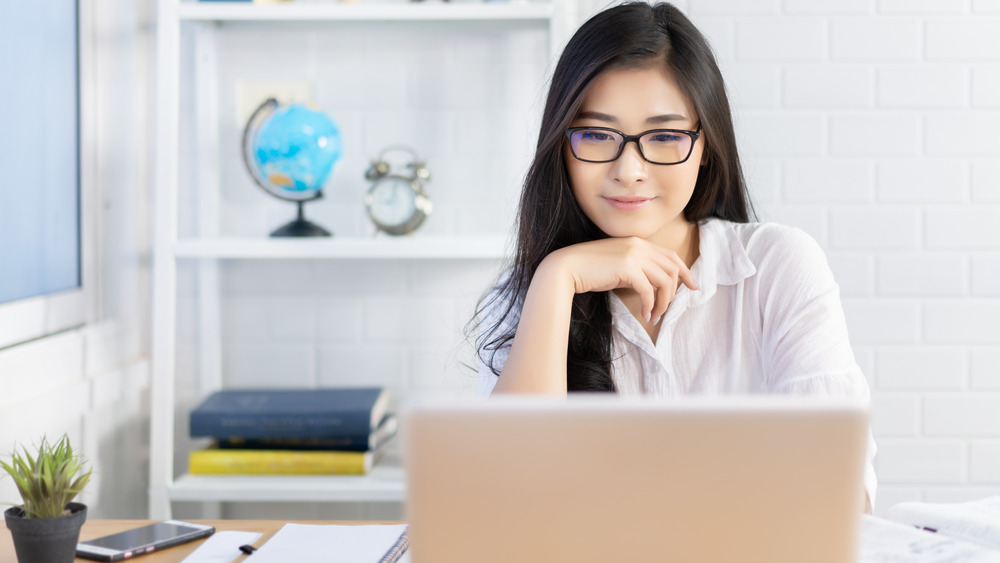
[46, 527]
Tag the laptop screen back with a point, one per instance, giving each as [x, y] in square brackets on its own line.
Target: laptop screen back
[608, 479]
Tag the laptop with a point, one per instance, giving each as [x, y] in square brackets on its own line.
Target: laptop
[597, 479]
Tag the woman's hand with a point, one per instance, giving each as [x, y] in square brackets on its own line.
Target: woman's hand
[652, 271]
[537, 359]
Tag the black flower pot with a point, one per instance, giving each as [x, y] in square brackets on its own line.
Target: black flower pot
[46, 540]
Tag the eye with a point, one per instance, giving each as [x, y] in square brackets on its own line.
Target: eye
[665, 138]
[596, 136]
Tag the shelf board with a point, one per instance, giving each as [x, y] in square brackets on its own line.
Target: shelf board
[386, 483]
[334, 11]
[484, 247]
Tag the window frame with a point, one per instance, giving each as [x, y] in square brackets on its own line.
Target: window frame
[36, 317]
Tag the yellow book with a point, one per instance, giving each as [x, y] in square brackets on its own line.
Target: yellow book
[214, 461]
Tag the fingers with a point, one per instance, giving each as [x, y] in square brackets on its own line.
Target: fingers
[647, 296]
[664, 296]
[678, 271]
[688, 279]
[669, 272]
[665, 286]
[671, 262]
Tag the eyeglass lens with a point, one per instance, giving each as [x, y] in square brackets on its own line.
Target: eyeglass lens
[661, 147]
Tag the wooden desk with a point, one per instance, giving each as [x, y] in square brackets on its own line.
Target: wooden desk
[98, 528]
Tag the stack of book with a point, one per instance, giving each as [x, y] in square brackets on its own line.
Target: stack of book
[323, 431]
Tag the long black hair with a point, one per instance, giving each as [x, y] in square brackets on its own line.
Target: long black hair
[632, 35]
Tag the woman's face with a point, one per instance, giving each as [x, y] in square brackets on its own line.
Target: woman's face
[630, 196]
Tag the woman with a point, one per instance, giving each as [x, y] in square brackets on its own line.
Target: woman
[637, 269]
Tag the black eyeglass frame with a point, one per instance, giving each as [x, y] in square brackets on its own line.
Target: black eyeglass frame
[626, 139]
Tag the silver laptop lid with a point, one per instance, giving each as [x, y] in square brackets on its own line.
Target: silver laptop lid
[604, 478]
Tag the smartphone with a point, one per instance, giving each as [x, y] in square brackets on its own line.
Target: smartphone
[142, 540]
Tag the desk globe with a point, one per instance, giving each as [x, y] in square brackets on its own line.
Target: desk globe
[289, 150]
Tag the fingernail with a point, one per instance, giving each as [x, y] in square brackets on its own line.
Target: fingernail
[648, 316]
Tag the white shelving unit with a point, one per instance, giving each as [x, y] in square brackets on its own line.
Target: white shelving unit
[332, 11]
[383, 484]
[409, 248]
[386, 482]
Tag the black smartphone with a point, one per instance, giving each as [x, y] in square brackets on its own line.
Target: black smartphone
[142, 540]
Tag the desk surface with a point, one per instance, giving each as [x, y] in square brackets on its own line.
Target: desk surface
[98, 528]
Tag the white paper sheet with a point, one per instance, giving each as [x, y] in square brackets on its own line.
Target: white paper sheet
[340, 543]
[883, 541]
[976, 521]
[221, 547]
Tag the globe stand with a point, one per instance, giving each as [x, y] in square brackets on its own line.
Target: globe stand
[278, 181]
[300, 227]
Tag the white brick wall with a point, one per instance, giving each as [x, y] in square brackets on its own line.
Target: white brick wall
[986, 180]
[763, 39]
[962, 321]
[986, 86]
[985, 462]
[921, 7]
[962, 415]
[962, 134]
[920, 367]
[828, 86]
[922, 86]
[854, 272]
[958, 227]
[893, 227]
[908, 461]
[826, 180]
[986, 368]
[875, 39]
[961, 39]
[922, 274]
[872, 321]
[923, 180]
[875, 134]
[895, 414]
[776, 133]
[986, 275]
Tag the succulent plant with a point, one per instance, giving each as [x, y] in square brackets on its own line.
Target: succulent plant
[50, 479]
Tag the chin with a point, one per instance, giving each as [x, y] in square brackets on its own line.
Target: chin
[624, 232]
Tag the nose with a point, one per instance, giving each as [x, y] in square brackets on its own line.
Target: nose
[630, 167]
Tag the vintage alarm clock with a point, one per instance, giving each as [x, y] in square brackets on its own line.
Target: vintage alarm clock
[397, 202]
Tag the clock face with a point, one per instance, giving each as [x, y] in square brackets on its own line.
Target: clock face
[393, 201]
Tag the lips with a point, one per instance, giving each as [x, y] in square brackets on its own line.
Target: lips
[628, 203]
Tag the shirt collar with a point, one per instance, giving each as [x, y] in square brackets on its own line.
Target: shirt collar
[722, 259]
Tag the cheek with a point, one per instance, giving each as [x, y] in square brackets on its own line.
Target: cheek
[580, 176]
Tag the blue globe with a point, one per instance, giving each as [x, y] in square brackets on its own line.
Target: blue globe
[293, 149]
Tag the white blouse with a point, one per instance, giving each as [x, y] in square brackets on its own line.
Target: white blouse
[766, 318]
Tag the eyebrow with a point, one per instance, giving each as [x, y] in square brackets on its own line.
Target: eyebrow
[654, 120]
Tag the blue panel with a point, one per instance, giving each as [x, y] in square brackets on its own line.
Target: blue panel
[39, 149]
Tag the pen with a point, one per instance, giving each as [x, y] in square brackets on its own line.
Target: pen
[397, 549]
[954, 537]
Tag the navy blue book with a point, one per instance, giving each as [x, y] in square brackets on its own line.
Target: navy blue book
[325, 413]
[357, 443]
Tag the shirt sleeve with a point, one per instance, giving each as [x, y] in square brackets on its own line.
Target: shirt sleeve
[805, 344]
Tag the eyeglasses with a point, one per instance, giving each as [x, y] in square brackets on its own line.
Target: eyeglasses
[657, 146]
